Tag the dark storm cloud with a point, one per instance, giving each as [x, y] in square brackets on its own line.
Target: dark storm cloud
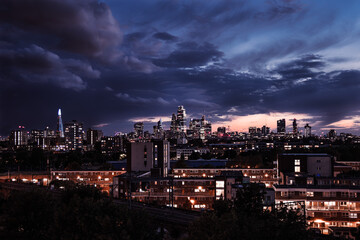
[86, 27]
[220, 58]
[301, 68]
[165, 36]
[190, 54]
[35, 64]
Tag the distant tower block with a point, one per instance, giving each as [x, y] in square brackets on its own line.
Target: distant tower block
[60, 127]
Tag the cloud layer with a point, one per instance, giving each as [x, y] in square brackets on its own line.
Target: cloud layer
[107, 62]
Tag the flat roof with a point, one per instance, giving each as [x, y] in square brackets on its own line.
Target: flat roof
[305, 154]
[316, 186]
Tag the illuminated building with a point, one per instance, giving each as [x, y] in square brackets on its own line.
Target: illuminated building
[267, 176]
[100, 179]
[93, 136]
[37, 137]
[19, 137]
[307, 131]
[181, 118]
[295, 127]
[186, 192]
[294, 165]
[139, 129]
[158, 130]
[281, 126]
[60, 127]
[74, 135]
[112, 145]
[199, 128]
[329, 206]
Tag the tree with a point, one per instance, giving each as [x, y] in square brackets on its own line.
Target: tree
[81, 212]
[245, 219]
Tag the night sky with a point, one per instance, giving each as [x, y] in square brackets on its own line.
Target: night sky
[241, 63]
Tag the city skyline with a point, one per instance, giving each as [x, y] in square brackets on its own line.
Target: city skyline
[241, 63]
[148, 124]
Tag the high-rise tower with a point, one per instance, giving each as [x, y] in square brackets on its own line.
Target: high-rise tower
[181, 117]
[281, 126]
[60, 127]
[295, 127]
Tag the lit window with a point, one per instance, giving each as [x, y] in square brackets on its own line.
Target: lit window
[220, 184]
[297, 168]
[309, 194]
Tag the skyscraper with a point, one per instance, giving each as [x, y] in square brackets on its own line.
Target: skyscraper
[60, 127]
[307, 131]
[139, 129]
[173, 125]
[20, 137]
[295, 127]
[281, 126]
[74, 135]
[265, 130]
[181, 117]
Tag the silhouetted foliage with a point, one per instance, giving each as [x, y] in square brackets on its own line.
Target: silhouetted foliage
[80, 213]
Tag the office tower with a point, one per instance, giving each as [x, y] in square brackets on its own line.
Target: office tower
[139, 129]
[74, 135]
[158, 130]
[207, 126]
[36, 137]
[93, 136]
[200, 128]
[281, 126]
[181, 118]
[173, 124]
[252, 130]
[295, 127]
[265, 130]
[151, 156]
[60, 127]
[111, 145]
[19, 137]
[307, 132]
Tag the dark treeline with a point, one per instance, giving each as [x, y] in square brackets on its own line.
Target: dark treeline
[80, 213]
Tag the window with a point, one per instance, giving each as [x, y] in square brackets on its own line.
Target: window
[327, 214]
[284, 194]
[343, 203]
[345, 214]
[353, 215]
[309, 194]
[344, 194]
[297, 162]
[220, 184]
[297, 168]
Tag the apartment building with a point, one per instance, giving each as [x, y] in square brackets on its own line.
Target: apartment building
[266, 176]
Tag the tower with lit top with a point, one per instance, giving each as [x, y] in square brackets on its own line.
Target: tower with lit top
[60, 127]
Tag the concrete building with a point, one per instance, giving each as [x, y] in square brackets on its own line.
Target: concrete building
[314, 164]
[151, 156]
